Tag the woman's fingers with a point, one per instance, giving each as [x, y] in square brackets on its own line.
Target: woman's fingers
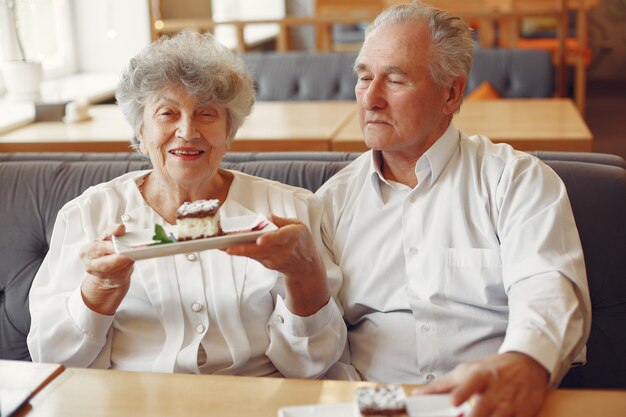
[113, 230]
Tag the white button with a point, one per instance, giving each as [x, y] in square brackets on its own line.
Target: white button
[280, 318]
[125, 217]
[192, 257]
[413, 198]
[413, 250]
[196, 307]
[425, 328]
[430, 378]
[200, 328]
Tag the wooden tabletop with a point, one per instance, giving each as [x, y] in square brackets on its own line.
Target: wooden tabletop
[80, 392]
[526, 124]
[106, 131]
[293, 125]
[134, 394]
[272, 126]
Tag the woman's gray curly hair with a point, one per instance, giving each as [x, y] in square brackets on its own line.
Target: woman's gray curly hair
[451, 38]
[199, 63]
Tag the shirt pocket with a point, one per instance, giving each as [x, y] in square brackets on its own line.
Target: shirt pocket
[473, 278]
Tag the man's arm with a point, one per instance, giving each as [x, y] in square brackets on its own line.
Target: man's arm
[549, 307]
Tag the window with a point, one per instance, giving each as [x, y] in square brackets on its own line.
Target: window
[224, 10]
[44, 30]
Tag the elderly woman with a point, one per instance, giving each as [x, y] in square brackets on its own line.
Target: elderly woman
[263, 308]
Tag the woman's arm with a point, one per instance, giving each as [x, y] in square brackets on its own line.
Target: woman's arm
[63, 328]
[307, 331]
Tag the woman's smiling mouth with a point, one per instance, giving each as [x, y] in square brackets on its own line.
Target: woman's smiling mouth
[187, 153]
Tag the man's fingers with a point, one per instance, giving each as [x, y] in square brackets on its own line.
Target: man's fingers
[476, 383]
[442, 386]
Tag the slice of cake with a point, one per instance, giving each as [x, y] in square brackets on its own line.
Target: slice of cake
[381, 400]
[198, 219]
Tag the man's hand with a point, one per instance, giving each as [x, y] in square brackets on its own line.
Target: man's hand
[505, 385]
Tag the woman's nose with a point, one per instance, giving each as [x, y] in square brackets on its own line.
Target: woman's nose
[187, 128]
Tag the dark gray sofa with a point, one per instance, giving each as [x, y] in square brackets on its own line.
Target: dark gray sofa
[329, 75]
[35, 186]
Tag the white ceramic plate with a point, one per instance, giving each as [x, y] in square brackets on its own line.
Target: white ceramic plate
[417, 406]
[320, 410]
[137, 245]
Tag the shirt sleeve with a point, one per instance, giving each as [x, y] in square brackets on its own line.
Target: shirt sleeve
[63, 329]
[543, 267]
[306, 347]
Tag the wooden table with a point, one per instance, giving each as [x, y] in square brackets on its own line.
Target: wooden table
[293, 125]
[107, 131]
[80, 392]
[272, 126]
[526, 124]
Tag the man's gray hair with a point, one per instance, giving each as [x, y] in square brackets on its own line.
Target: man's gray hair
[451, 38]
[197, 62]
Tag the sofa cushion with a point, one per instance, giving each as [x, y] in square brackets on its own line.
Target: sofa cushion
[513, 73]
[302, 75]
[598, 197]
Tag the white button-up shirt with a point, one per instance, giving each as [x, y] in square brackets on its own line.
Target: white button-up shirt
[204, 312]
[482, 256]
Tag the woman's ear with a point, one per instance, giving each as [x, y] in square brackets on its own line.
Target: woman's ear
[142, 143]
[455, 95]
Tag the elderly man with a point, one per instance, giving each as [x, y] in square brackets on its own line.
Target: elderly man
[462, 263]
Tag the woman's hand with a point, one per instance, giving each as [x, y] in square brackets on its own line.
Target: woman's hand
[108, 274]
[504, 385]
[291, 250]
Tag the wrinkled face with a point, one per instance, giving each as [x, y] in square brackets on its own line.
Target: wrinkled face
[184, 140]
[400, 107]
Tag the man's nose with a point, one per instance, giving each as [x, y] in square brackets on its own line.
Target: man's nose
[373, 97]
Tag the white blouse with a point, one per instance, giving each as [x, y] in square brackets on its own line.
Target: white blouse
[204, 312]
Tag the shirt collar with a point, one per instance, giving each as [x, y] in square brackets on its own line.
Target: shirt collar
[374, 173]
[432, 162]
[441, 151]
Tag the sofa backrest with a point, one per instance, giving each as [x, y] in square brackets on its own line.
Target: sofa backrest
[329, 76]
[35, 186]
[514, 73]
[302, 75]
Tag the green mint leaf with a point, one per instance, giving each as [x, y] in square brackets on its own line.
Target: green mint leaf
[160, 236]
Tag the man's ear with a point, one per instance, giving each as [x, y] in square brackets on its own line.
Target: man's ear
[455, 95]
